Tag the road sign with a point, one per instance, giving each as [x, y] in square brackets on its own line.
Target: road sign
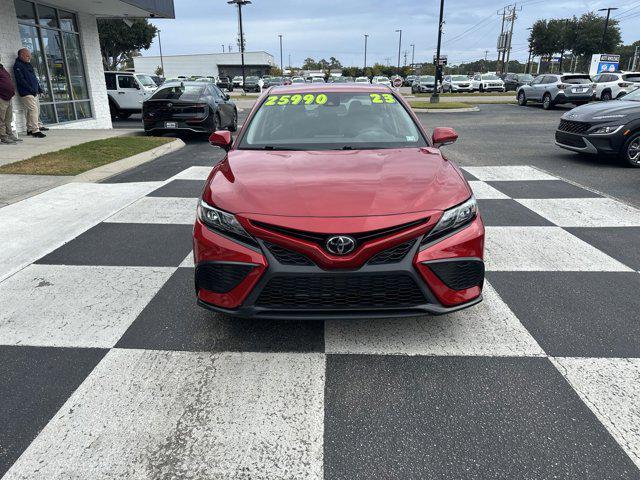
[443, 60]
[397, 82]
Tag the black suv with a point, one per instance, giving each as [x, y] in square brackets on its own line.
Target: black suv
[513, 81]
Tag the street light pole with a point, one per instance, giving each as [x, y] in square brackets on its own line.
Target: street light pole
[413, 54]
[366, 36]
[240, 3]
[281, 65]
[399, 47]
[161, 58]
[435, 96]
[606, 25]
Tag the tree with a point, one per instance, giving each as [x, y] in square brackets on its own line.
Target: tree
[118, 41]
[309, 64]
[588, 35]
[159, 72]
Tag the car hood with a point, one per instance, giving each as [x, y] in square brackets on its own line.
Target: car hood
[597, 109]
[336, 183]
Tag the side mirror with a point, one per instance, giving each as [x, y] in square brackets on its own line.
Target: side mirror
[443, 136]
[222, 139]
[226, 96]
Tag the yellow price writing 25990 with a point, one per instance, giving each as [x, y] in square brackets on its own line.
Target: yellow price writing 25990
[296, 99]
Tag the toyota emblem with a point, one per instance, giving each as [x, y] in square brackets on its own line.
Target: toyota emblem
[169, 105]
[341, 245]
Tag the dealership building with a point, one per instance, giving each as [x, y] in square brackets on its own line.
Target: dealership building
[207, 64]
[63, 38]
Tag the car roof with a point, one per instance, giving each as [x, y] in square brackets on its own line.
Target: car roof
[330, 87]
[185, 82]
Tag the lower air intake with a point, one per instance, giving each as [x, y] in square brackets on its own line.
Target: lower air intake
[221, 277]
[460, 274]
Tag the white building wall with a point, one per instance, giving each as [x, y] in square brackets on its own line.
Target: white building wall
[10, 44]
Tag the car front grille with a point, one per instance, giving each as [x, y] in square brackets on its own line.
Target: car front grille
[339, 292]
[393, 255]
[570, 140]
[573, 127]
[288, 257]
[221, 277]
[459, 275]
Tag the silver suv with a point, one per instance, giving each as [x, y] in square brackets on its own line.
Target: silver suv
[554, 89]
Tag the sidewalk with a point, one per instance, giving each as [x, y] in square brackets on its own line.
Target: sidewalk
[57, 139]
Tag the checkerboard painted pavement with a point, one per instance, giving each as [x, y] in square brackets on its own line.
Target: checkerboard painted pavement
[111, 371]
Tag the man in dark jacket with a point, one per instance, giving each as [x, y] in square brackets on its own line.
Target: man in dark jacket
[6, 112]
[29, 88]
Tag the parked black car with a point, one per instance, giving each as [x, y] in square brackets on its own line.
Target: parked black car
[225, 83]
[251, 84]
[513, 81]
[606, 128]
[189, 106]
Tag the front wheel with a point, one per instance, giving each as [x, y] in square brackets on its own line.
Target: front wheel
[234, 125]
[522, 99]
[606, 96]
[631, 151]
[481, 88]
[547, 104]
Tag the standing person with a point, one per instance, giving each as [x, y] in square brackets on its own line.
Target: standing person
[29, 88]
[6, 112]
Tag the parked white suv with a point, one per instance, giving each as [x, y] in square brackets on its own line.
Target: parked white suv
[457, 83]
[127, 91]
[615, 85]
[487, 82]
[381, 81]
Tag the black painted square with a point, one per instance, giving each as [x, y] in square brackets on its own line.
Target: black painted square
[542, 189]
[180, 188]
[621, 243]
[509, 213]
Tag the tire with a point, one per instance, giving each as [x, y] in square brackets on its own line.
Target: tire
[522, 98]
[113, 110]
[547, 104]
[606, 96]
[631, 151]
[481, 89]
[234, 126]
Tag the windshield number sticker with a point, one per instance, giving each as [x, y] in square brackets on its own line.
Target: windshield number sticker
[308, 99]
[382, 98]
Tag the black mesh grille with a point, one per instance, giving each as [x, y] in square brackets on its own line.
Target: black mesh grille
[459, 275]
[288, 257]
[335, 292]
[221, 277]
[393, 255]
[573, 127]
[570, 140]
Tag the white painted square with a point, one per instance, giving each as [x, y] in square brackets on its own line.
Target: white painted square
[183, 415]
[75, 306]
[484, 191]
[585, 212]
[611, 389]
[508, 173]
[487, 329]
[164, 210]
[544, 249]
[187, 262]
[194, 173]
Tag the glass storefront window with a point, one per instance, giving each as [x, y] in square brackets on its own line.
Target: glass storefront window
[53, 39]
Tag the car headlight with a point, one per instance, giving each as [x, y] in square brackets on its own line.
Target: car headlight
[220, 220]
[455, 218]
[608, 130]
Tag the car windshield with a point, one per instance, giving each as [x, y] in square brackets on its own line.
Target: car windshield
[490, 76]
[362, 80]
[525, 78]
[576, 80]
[251, 79]
[633, 96]
[383, 79]
[459, 78]
[331, 121]
[298, 80]
[185, 93]
[318, 80]
[427, 78]
[146, 80]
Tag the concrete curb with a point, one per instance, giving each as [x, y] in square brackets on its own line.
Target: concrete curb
[446, 110]
[111, 169]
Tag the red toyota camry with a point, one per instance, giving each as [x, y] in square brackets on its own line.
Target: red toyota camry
[334, 203]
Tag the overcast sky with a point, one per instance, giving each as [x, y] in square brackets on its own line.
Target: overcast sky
[324, 28]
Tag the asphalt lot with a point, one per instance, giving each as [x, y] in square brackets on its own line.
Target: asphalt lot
[110, 370]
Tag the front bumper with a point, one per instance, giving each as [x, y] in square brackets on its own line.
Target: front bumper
[592, 144]
[458, 88]
[270, 288]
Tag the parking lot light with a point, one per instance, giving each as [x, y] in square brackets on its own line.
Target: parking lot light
[240, 4]
[435, 96]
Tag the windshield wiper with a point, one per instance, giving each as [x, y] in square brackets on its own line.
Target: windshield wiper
[270, 147]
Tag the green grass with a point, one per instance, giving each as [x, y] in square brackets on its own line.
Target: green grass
[439, 106]
[83, 157]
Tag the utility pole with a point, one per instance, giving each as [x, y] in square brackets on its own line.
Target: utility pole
[289, 61]
[223, 48]
[500, 40]
[606, 25]
[435, 96]
[281, 64]
[635, 59]
[161, 58]
[366, 36]
[399, 47]
[240, 4]
[413, 53]
[528, 69]
[508, 48]
[405, 58]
